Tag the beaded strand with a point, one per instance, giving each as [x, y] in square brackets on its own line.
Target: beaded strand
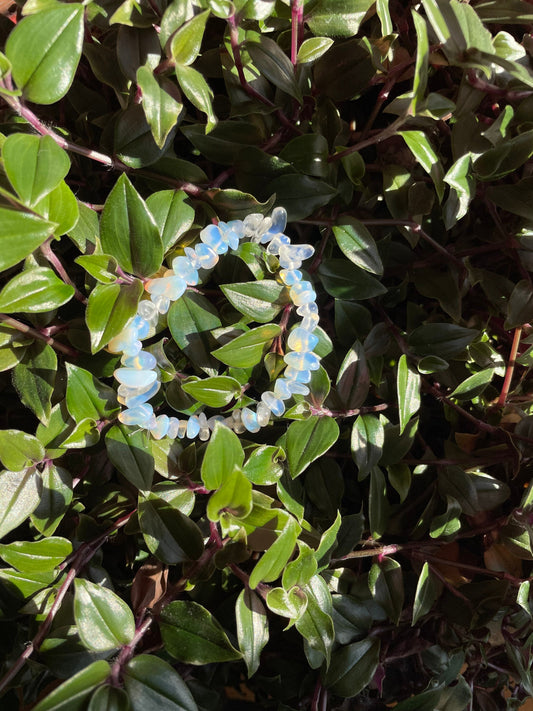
[138, 375]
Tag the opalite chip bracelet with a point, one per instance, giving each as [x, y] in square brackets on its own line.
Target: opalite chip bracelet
[138, 374]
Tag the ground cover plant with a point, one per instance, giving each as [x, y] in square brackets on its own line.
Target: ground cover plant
[371, 543]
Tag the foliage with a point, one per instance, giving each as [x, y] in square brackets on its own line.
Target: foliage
[372, 546]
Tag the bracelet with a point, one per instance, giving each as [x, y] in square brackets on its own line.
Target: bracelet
[138, 374]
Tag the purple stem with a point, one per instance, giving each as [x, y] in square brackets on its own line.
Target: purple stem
[297, 17]
[23, 328]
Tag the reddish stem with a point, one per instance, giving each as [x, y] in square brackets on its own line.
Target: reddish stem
[510, 367]
[34, 333]
[297, 16]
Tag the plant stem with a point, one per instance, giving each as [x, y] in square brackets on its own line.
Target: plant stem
[34, 333]
[510, 367]
[297, 16]
[387, 132]
[127, 650]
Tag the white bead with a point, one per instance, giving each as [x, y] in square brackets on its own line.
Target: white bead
[263, 414]
[274, 404]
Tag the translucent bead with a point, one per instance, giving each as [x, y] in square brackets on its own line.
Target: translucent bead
[297, 388]
[302, 293]
[173, 426]
[301, 376]
[291, 256]
[172, 287]
[193, 258]
[139, 416]
[161, 427]
[183, 268]
[309, 323]
[252, 223]
[124, 392]
[279, 222]
[207, 256]
[307, 309]
[122, 340]
[135, 378]
[182, 429]
[193, 427]
[148, 311]
[202, 419]
[204, 434]
[162, 303]
[274, 404]
[233, 232]
[263, 414]
[276, 243]
[302, 361]
[211, 422]
[237, 425]
[301, 340]
[141, 325]
[212, 236]
[249, 420]
[132, 348]
[139, 398]
[281, 389]
[141, 361]
[290, 276]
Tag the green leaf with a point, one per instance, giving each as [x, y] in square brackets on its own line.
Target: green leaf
[309, 439]
[315, 624]
[367, 441]
[55, 37]
[353, 667]
[504, 158]
[273, 63]
[103, 620]
[247, 350]
[358, 245]
[444, 340]
[55, 499]
[313, 48]
[128, 230]
[287, 603]
[233, 497]
[197, 90]
[420, 146]
[190, 321]
[378, 504]
[223, 453]
[129, 453]
[475, 491]
[34, 291]
[34, 378]
[110, 308]
[72, 695]
[327, 543]
[420, 78]
[36, 556]
[19, 450]
[408, 384]
[271, 564]
[217, 391]
[252, 628]
[153, 683]
[87, 397]
[428, 589]
[264, 466]
[353, 379]
[447, 523]
[338, 18]
[385, 581]
[300, 194]
[300, 570]
[186, 42]
[21, 233]
[35, 165]
[344, 280]
[109, 698]
[172, 214]
[169, 534]
[520, 306]
[161, 109]
[19, 496]
[23, 585]
[308, 154]
[260, 301]
[193, 636]
[102, 267]
[474, 385]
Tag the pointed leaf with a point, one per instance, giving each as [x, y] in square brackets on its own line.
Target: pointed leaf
[72, 695]
[358, 245]
[247, 350]
[223, 453]
[34, 291]
[309, 439]
[103, 620]
[408, 384]
[110, 308]
[19, 497]
[129, 453]
[153, 683]
[252, 628]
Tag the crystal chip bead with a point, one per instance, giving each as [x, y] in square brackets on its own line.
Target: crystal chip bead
[301, 340]
[274, 404]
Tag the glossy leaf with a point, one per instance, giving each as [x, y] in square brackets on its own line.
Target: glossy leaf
[408, 384]
[161, 109]
[34, 378]
[128, 230]
[216, 391]
[190, 320]
[55, 36]
[19, 450]
[19, 496]
[315, 624]
[34, 291]
[110, 308]
[186, 42]
[152, 682]
[356, 242]
[252, 628]
[264, 465]
[87, 396]
[385, 580]
[272, 562]
[223, 454]
[109, 698]
[428, 590]
[352, 667]
[193, 636]
[172, 213]
[127, 450]
[367, 441]
[247, 350]
[104, 621]
[274, 64]
[353, 379]
[309, 439]
[36, 556]
[197, 90]
[55, 498]
[73, 694]
[313, 48]
[345, 280]
[260, 301]
[234, 496]
[169, 534]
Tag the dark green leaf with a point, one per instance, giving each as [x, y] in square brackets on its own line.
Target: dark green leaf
[444, 340]
[352, 667]
[367, 441]
[308, 154]
[128, 451]
[344, 280]
[19, 496]
[169, 534]
[128, 230]
[192, 635]
[252, 628]
[378, 504]
[520, 306]
[353, 379]
[300, 194]
[358, 245]
[109, 698]
[273, 63]
[103, 620]
[385, 580]
[408, 384]
[72, 695]
[153, 683]
[190, 320]
[428, 589]
[55, 498]
[260, 301]
[223, 453]
[247, 350]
